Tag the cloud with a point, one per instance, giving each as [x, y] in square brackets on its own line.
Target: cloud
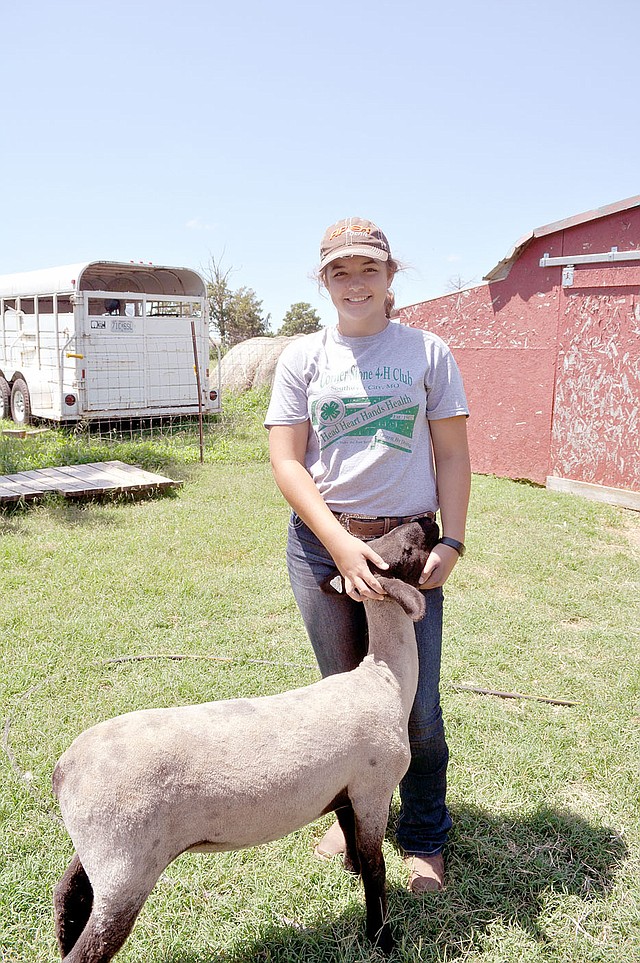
[198, 224]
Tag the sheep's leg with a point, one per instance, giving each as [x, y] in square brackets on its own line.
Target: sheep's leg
[94, 917]
[347, 822]
[72, 901]
[370, 829]
[105, 933]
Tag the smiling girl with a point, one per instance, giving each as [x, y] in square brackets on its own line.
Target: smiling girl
[367, 428]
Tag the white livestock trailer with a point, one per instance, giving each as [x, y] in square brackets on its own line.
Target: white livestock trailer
[105, 339]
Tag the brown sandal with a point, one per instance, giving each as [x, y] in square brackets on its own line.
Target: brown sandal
[426, 873]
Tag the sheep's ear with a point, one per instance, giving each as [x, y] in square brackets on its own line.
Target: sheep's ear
[411, 599]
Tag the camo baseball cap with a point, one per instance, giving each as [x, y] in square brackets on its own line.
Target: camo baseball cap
[351, 237]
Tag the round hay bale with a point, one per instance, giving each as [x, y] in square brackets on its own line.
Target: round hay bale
[252, 363]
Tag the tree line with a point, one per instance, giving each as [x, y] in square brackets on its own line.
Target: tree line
[236, 315]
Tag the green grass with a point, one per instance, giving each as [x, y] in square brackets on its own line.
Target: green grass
[544, 860]
[235, 437]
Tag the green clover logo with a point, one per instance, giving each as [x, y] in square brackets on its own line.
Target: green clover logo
[330, 410]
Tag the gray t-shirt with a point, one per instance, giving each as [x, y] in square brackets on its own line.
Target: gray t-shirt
[368, 401]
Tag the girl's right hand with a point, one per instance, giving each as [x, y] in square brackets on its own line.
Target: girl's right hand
[351, 556]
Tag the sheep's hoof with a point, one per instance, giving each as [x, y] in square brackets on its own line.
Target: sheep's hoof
[383, 939]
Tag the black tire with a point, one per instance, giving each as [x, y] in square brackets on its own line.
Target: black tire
[20, 402]
[5, 398]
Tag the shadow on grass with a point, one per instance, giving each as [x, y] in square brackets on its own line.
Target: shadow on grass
[498, 870]
[78, 512]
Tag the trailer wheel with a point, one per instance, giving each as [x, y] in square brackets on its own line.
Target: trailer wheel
[5, 398]
[20, 402]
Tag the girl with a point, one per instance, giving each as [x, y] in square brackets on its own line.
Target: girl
[367, 428]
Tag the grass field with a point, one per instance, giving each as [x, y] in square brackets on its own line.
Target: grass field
[544, 862]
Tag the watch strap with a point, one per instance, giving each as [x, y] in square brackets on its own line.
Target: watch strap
[453, 543]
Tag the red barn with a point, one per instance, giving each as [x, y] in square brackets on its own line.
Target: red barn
[549, 348]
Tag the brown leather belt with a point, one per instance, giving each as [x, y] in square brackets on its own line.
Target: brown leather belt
[366, 526]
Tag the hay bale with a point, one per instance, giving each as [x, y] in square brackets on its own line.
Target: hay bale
[252, 363]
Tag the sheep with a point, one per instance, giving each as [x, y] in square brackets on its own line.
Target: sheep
[139, 789]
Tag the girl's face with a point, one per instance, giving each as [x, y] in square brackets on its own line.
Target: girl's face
[358, 288]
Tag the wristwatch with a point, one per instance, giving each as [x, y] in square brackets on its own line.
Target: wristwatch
[453, 543]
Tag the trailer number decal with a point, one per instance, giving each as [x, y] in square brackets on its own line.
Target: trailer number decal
[122, 325]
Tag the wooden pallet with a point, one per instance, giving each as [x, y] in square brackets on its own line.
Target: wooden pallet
[81, 481]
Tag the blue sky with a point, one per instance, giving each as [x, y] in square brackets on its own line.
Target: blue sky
[168, 132]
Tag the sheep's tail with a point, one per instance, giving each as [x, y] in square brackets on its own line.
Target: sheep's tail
[72, 901]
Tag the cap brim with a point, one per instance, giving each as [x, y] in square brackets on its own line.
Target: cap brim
[354, 250]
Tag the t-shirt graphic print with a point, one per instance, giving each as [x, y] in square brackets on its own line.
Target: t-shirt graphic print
[384, 419]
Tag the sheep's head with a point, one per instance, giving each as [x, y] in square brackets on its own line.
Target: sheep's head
[406, 549]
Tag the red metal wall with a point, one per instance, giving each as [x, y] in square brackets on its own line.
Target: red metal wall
[552, 373]
[595, 435]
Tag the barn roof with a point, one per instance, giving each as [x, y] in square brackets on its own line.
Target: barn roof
[502, 268]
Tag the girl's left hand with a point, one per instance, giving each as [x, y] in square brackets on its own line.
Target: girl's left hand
[352, 557]
[439, 567]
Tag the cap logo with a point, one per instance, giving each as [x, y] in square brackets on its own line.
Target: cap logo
[353, 236]
[354, 229]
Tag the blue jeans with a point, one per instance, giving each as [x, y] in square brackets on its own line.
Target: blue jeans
[337, 629]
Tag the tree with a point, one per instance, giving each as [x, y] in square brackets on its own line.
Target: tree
[234, 315]
[457, 283]
[220, 297]
[246, 320]
[301, 318]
